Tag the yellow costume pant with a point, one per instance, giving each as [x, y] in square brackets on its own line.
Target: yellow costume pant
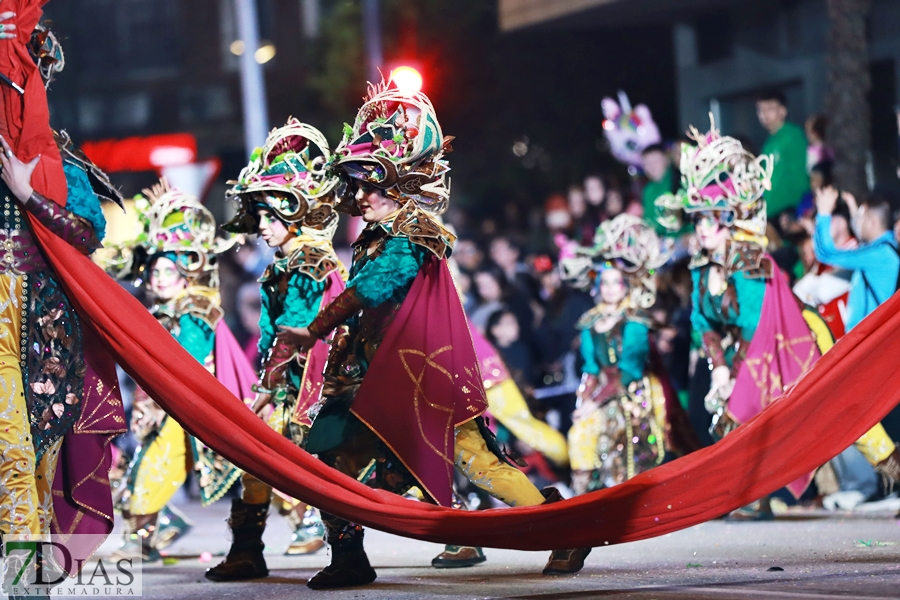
[482, 467]
[507, 405]
[875, 444]
[583, 438]
[254, 491]
[26, 503]
[161, 471]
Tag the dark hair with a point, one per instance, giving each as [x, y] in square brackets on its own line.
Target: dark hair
[819, 125]
[773, 94]
[657, 147]
[490, 268]
[824, 169]
[492, 321]
[841, 210]
[881, 207]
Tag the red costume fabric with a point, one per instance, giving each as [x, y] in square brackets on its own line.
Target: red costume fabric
[844, 394]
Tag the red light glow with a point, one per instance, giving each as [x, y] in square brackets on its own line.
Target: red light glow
[407, 79]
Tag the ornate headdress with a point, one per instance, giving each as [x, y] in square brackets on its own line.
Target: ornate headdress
[720, 175]
[625, 243]
[291, 176]
[396, 145]
[171, 223]
[46, 51]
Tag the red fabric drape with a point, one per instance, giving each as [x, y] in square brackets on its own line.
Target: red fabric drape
[850, 389]
[25, 121]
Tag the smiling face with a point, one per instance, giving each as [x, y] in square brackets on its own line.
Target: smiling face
[711, 234]
[612, 287]
[374, 205]
[166, 282]
[272, 230]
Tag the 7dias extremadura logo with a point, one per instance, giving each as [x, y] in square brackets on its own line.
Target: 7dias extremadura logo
[34, 566]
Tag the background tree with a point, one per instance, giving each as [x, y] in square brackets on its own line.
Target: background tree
[849, 83]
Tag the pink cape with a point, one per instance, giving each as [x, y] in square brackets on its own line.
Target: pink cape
[424, 380]
[782, 351]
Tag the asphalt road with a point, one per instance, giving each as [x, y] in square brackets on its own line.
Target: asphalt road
[822, 555]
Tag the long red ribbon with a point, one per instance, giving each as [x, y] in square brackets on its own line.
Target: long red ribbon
[849, 390]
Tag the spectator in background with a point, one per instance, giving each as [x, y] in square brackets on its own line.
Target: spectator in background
[556, 214]
[506, 255]
[614, 205]
[787, 146]
[468, 254]
[875, 264]
[502, 330]
[495, 293]
[662, 178]
[817, 151]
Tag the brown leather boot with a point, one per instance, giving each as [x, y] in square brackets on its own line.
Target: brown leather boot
[454, 557]
[563, 562]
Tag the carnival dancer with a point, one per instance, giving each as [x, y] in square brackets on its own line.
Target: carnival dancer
[61, 403]
[175, 257]
[286, 195]
[628, 419]
[756, 335]
[403, 386]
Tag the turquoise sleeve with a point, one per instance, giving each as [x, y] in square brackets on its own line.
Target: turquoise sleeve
[302, 301]
[635, 350]
[589, 353]
[699, 322]
[389, 276]
[82, 200]
[266, 327]
[750, 296]
[196, 337]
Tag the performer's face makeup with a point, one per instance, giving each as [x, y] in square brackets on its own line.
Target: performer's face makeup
[711, 234]
[612, 286]
[166, 282]
[272, 230]
[373, 205]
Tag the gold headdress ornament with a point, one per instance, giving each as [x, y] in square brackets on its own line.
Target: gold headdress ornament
[175, 223]
[396, 145]
[720, 175]
[625, 243]
[291, 176]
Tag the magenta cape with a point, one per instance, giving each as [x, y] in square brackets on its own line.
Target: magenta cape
[782, 350]
[424, 380]
[842, 396]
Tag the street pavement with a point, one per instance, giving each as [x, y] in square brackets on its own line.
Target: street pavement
[812, 555]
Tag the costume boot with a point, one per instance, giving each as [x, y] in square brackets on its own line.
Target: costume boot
[245, 558]
[349, 564]
[138, 538]
[563, 562]
[889, 469]
[454, 557]
[172, 526]
[308, 530]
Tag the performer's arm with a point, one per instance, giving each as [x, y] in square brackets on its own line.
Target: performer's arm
[301, 304]
[378, 281]
[711, 339]
[63, 222]
[750, 296]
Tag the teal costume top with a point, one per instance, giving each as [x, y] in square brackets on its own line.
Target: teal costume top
[736, 310]
[625, 346]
